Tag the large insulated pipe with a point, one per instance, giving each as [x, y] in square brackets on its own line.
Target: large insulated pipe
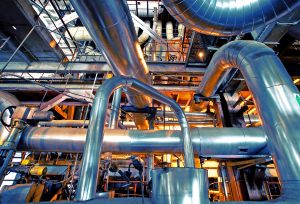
[228, 17]
[275, 96]
[90, 162]
[6, 100]
[207, 142]
[111, 27]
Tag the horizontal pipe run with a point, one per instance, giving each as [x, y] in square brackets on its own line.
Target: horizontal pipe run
[171, 114]
[210, 142]
[98, 67]
[85, 123]
[70, 87]
[205, 119]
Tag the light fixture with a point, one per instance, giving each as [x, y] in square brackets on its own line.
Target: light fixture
[296, 81]
[14, 27]
[201, 54]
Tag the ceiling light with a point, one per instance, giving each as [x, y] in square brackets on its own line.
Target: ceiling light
[14, 27]
[201, 54]
[296, 81]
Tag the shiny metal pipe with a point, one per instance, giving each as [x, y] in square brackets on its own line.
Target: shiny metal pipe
[131, 124]
[65, 123]
[228, 17]
[169, 114]
[173, 123]
[90, 162]
[111, 27]
[115, 105]
[150, 166]
[207, 142]
[249, 119]
[275, 96]
[6, 100]
[180, 186]
[71, 87]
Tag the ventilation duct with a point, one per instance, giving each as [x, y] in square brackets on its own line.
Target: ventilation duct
[111, 27]
[228, 17]
[276, 99]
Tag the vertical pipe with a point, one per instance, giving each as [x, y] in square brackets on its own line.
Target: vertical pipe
[150, 165]
[224, 181]
[90, 162]
[114, 115]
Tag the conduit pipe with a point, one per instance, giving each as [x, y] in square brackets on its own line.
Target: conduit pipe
[6, 100]
[90, 162]
[275, 96]
[207, 142]
[111, 27]
[227, 17]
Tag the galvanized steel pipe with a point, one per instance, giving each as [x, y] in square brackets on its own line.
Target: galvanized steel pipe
[275, 96]
[90, 162]
[228, 17]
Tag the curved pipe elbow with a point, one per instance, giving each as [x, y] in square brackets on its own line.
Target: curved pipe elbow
[240, 55]
[274, 93]
[227, 17]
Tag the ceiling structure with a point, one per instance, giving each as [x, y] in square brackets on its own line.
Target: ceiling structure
[54, 54]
